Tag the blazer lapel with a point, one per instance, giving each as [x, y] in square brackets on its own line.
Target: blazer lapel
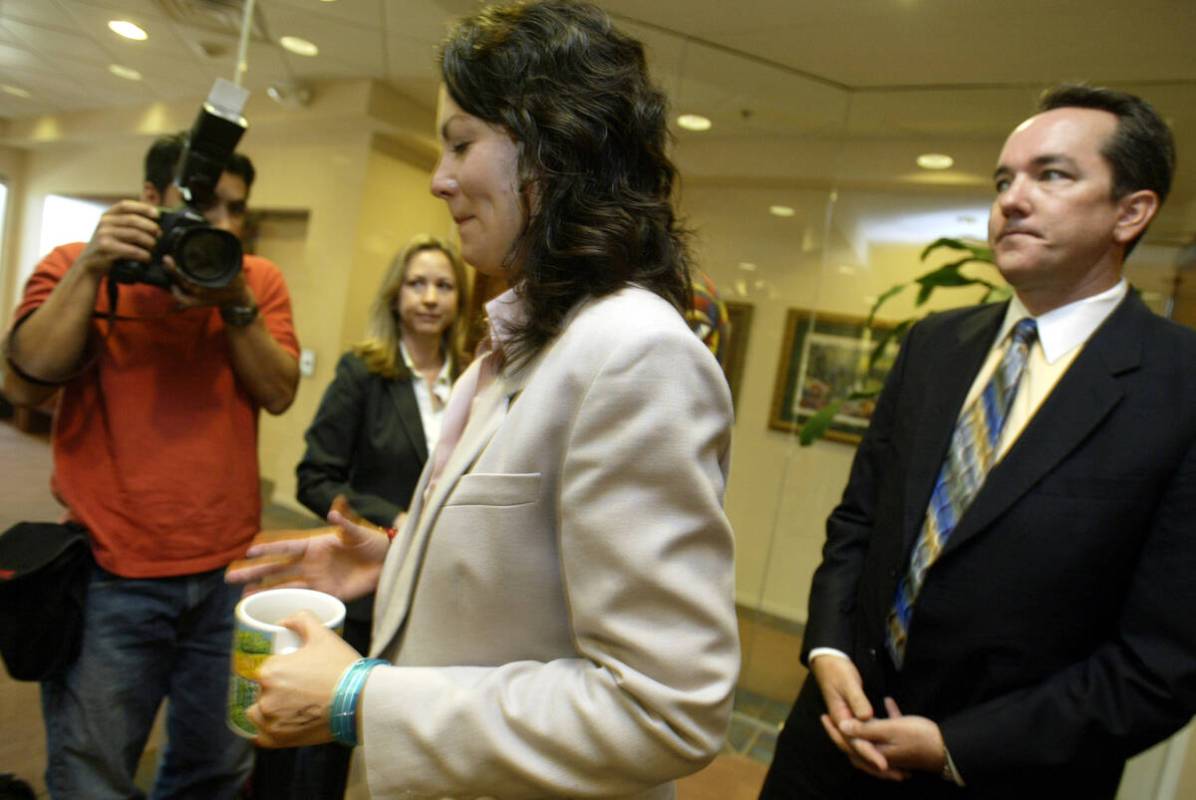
[402, 394]
[400, 574]
[1084, 396]
[955, 373]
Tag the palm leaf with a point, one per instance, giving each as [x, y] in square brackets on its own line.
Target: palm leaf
[896, 333]
[977, 252]
[880, 301]
[819, 423]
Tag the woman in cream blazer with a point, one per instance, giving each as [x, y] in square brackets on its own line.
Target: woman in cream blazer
[556, 617]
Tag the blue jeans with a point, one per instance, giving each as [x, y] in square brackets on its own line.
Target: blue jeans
[145, 640]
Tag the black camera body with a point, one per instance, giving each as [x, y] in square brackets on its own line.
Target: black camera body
[204, 256]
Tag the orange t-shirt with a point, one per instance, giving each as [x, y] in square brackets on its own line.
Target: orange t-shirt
[155, 443]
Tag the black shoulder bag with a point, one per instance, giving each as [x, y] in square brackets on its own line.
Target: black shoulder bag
[44, 569]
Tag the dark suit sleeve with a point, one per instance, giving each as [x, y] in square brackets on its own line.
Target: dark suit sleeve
[327, 465]
[1136, 689]
[849, 527]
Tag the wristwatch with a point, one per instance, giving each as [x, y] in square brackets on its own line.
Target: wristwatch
[238, 316]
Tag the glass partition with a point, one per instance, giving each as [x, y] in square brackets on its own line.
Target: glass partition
[808, 207]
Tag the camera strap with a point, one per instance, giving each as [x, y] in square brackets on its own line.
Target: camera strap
[113, 297]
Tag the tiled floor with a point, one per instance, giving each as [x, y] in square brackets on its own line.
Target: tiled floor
[770, 678]
[771, 673]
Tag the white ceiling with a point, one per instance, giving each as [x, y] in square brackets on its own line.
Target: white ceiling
[800, 91]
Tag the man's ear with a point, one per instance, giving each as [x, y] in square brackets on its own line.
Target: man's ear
[1134, 213]
[150, 194]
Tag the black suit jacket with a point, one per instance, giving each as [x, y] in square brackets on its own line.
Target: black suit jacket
[366, 442]
[1056, 634]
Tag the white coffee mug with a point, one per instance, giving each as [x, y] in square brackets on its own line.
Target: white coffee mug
[259, 636]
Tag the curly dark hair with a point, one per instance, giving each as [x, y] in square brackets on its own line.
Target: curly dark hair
[592, 134]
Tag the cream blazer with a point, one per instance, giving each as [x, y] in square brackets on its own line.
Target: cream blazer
[560, 611]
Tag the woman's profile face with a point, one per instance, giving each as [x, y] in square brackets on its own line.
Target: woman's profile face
[428, 298]
[477, 176]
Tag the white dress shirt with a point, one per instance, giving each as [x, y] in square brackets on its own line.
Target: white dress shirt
[431, 400]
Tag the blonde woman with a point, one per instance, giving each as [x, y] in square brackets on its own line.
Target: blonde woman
[379, 419]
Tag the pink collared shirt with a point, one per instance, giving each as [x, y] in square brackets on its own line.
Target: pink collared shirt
[503, 313]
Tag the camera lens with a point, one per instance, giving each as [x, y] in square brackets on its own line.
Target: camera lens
[208, 256]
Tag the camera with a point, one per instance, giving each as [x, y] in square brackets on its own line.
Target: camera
[204, 255]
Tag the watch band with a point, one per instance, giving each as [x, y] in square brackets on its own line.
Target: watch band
[238, 316]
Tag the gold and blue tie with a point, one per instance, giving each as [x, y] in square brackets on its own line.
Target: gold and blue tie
[971, 454]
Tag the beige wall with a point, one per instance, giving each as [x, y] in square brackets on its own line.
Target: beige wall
[12, 172]
[324, 176]
[826, 257]
[359, 220]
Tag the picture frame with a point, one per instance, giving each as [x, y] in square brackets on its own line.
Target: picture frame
[825, 357]
[740, 317]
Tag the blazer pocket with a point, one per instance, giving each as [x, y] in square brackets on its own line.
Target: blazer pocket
[493, 489]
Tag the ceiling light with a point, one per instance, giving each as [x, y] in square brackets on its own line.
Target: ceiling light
[129, 30]
[300, 47]
[694, 122]
[15, 91]
[747, 266]
[781, 211]
[289, 93]
[935, 161]
[127, 73]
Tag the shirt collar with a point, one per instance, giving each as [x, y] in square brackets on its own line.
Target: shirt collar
[444, 380]
[1063, 329]
[505, 313]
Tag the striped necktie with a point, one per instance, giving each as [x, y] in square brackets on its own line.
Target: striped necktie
[971, 454]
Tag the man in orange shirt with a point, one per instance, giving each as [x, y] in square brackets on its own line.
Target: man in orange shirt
[155, 453]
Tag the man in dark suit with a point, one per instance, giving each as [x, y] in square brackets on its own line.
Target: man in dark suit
[1004, 607]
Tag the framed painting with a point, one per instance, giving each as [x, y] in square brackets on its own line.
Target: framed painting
[824, 358]
[740, 316]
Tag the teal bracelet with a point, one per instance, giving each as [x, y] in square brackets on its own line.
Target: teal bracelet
[343, 717]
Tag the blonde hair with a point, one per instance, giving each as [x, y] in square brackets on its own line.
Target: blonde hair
[380, 349]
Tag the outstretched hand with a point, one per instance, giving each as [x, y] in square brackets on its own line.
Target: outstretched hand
[344, 559]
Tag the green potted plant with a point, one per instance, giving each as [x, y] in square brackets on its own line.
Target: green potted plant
[947, 276]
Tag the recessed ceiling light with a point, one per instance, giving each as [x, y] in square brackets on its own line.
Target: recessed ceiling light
[15, 91]
[935, 161]
[747, 266]
[300, 47]
[781, 211]
[129, 30]
[694, 122]
[128, 73]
